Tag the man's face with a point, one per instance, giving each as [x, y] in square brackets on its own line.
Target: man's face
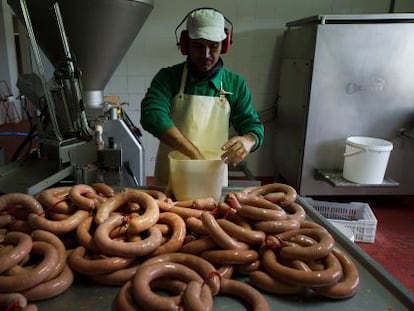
[204, 54]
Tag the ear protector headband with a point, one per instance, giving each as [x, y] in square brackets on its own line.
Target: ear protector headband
[182, 44]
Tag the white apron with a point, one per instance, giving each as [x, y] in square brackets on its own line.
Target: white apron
[204, 120]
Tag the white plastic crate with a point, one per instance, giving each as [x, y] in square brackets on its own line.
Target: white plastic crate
[357, 216]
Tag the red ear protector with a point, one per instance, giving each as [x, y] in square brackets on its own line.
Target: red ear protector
[182, 44]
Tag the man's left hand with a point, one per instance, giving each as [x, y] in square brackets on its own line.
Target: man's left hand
[237, 148]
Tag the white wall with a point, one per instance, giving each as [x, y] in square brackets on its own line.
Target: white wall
[257, 39]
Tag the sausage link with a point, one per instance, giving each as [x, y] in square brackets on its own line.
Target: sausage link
[145, 274]
[195, 225]
[230, 256]
[46, 236]
[51, 288]
[198, 246]
[116, 278]
[247, 268]
[290, 192]
[147, 219]
[103, 189]
[57, 227]
[251, 237]
[176, 240]
[295, 211]
[277, 226]
[183, 212]
[323, 247]
[35, 275]
[125, 249]
[205, 269]
[81, 262]
[26, 201]
[84, 235]
[245, 292]
[204, 204]
[77, 195]
[270, 284]
[329, 276]
[254, 200]
[124, 300]
[22, 247]
[348, 285]
[259, 214]
[197, 297]
[219, 236]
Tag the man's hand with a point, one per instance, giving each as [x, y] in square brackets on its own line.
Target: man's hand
[237, 148]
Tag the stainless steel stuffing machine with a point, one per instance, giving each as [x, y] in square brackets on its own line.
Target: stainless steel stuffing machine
[82, 134]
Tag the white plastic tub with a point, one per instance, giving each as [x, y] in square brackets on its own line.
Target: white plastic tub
[192, 179]
[366, 159]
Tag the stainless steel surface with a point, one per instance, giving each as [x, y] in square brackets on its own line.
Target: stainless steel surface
[378, 289]
[340, 80]
[31, 176]
[133, 153]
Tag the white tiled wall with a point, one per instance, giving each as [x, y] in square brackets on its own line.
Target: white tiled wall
[257, 38]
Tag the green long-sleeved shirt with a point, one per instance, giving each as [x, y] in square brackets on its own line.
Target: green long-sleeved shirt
[156, 105]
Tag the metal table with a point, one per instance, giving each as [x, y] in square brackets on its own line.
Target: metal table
[378, 289]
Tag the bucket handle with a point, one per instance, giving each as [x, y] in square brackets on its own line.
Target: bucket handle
[349, 154]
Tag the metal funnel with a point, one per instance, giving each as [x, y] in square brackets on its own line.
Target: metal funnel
[99, 33]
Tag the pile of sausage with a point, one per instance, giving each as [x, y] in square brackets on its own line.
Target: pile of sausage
[146, 243]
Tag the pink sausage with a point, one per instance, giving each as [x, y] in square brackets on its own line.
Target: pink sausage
[251, 237]
[84, 236]
[103, 189]
[51, 288]
[290, 192]
[259, 214]
[323, 247]
[329, 276]
[124, 300]
[57, 227]
[197, 246]
[22, 247]
[176, 240]
[77, 195]
[84, 264]
[125, 249]
[49, 237]
[195, 225]
[218, 235]
[9, 200]
[116, 278]
[270, 284]
[205, 269]
[138, 224]
[277, 226]
[197, 297]
[348, 285]
[35, 275]
[230, 256]
[145, 274]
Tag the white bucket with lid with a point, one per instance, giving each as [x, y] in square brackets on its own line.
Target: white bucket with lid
[366, 159]
[193, 179]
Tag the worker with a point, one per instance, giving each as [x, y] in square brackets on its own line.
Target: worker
[190, 106]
